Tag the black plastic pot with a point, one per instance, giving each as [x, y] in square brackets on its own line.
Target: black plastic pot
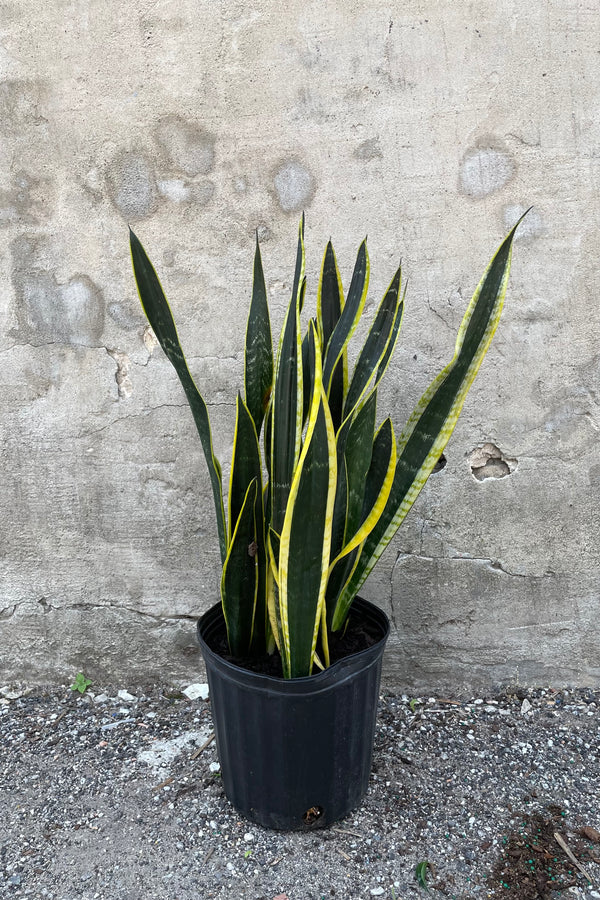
[295, 754]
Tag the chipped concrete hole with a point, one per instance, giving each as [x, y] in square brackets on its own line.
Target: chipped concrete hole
[150, 340]
[124, 384]
[488, 461]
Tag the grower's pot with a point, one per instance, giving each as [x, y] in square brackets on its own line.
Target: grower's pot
[295, 753]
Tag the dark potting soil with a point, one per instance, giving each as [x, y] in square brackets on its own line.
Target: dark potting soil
[534, 864]
[358, 635]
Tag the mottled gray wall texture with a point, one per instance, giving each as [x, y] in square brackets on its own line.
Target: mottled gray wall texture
[428, 124]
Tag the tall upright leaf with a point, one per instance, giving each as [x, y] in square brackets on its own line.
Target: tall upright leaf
[349, 317]
[433, 420]
[376, 343]
[286, 412]
[246, 468]
[258, 369]
[305, 539]
[330, 302]
[377, 486]
[161, 319]
[239, 579]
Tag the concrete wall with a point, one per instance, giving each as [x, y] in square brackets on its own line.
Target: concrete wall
[429, 125]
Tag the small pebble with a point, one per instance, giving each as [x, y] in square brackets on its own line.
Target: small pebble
[126, 696]
[196, 691]
[526, 707]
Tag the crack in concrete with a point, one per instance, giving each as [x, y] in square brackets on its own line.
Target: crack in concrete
[149, 411]
[494, 564]
[87, 434]
[52, 344]
[212, 358]
[567, 625]
[87, 607]
[8, 612]
[438, 314]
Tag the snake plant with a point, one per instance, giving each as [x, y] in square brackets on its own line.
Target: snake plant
[317, 488]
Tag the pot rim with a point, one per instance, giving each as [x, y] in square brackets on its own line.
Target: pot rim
[334, 674]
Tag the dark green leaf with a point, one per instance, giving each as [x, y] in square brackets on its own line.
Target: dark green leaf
[421, 874]
[239, 581]
[349, 316]
[286, 421]
[258, 373]
[433, 421]
[246, 468]
[375, 345]
[299, 270]
[392, 341]
[358, 451]
[245, 464]
[330, 301]
[160, 317]
[374, 479]
[308, 374]
[305, 557]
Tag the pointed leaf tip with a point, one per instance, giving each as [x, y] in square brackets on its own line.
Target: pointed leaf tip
[519, 220]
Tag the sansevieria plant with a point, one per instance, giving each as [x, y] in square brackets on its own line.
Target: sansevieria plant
[308, 518]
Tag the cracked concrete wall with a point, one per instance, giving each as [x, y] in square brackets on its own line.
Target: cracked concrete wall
[428, 125]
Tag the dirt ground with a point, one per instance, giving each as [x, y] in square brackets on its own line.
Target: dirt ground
[116, 794]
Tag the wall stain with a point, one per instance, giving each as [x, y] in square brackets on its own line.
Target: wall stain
[202, 192]
[264, 233]
[124, 316]
[50, 312]
[294, 185]
[484, 170]
[20, 104]
[23, 202]
[369, 149]
[180, 190]
[175, 189]
[188, 147]
[131, 186]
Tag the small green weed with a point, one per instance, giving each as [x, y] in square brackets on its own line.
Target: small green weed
[81, 683]
[421, 874]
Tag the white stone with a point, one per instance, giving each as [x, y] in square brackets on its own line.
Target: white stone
[126, 696]
[526, 707]
[196, 691]
[161, 753]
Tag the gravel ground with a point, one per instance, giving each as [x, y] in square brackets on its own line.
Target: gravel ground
[116, 795]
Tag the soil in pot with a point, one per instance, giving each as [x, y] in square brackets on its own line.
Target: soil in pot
[359, 634]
